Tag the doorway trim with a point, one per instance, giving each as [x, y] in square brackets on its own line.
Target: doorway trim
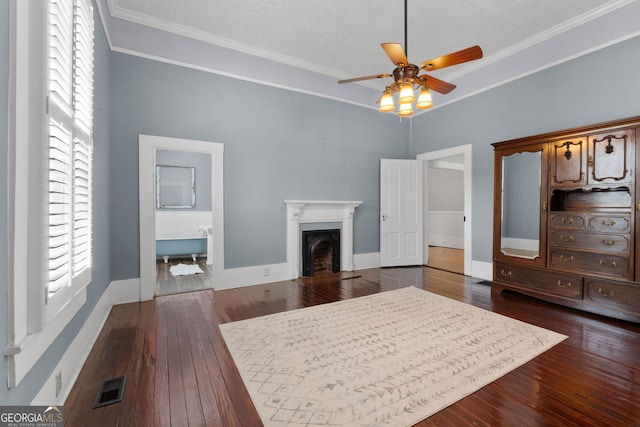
[148, 145]
[466, 152]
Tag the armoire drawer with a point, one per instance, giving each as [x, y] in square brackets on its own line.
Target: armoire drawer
[568, 220]
[600, 263]
[598, 242]
[619, 223]
[566, 285]
[613, 294]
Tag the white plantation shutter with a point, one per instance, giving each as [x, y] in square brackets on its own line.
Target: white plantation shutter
[70, 108]
[81, 207]
[83, 67]
[59, 205]
[82, 143]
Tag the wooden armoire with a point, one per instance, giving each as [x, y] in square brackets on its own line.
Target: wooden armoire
[566, 205]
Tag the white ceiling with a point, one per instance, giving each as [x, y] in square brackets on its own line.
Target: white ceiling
[309, 45]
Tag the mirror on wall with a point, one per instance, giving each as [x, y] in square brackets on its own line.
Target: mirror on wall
[175, 187]
[520, 216]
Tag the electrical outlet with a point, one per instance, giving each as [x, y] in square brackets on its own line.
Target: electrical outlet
[267, 271]
[58, 383]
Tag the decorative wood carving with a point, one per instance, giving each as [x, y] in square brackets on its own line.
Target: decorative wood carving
[615, 157]
[567, 166]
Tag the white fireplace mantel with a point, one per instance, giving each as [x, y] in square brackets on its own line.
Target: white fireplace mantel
[309, 211]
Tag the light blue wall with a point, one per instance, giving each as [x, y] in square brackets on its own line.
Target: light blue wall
[32, 383]
[278, 145]
[601, 86]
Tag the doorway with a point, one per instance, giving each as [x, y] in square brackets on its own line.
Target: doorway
[149, 147]
[183, 221]
[447, 209]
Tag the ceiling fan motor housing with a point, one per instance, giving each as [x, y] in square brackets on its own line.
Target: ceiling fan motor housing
[406, 74]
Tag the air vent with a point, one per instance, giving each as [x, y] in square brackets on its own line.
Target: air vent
[110, 392]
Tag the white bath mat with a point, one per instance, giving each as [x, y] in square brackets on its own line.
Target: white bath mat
[185, 269]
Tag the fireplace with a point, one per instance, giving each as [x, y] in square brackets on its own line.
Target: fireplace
[320, 252]
[319, 211]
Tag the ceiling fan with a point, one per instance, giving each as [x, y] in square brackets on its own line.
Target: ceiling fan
[407, 78]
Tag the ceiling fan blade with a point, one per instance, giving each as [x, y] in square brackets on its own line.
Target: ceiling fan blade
[395, 53]
[357, 79]
[438, 85]
[464, 55]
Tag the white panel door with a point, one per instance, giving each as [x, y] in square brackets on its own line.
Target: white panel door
[400, 212]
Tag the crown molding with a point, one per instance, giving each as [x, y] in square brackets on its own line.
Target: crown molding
[552, 32]
[241, 77]
[181, 30]
[559, 44]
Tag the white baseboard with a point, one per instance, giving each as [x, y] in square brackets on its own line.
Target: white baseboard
[124, 291]
[482, 270]
[254, 275]
[73, 359]
[257, 275]
[118, 292]
[363, 261]
[479, 269]
[447, 241]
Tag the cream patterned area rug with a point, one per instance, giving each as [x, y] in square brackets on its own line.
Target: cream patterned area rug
[388, 359]
[185, 269]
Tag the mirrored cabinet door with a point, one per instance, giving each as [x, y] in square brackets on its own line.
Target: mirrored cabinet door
[520, 204]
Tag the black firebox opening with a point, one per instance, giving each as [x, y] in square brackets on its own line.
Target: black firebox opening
[320, 252]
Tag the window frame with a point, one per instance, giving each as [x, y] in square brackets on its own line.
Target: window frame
[33, 326]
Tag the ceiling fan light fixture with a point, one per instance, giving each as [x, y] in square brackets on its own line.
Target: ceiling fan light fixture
[424, 99]
[406, 94]
[407, 78]
[386, 102]
[405, 110]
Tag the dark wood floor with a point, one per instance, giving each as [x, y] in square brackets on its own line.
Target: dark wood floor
[167, 283]
[179, 372]
[447, 259]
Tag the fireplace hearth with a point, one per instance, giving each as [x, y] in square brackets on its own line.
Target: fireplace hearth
[320, 252]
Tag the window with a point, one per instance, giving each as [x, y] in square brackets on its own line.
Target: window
[70, 122]
[50, 146]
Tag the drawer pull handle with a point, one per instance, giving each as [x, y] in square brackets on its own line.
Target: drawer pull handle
[566, 239]
[507, 273]
[605, 293]
[566, 219]
[606, 223]
[604, 264]
[608, 242]
[560, 284]
[566, 259]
